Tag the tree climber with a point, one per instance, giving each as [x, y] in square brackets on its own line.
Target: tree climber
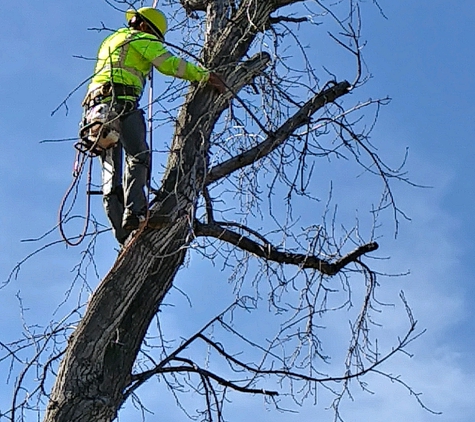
[124, 60]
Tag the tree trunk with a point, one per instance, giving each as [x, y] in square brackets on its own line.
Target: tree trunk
[101, 352]
[98, 363]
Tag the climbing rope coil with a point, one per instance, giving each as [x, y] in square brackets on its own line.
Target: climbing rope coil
[99, 131]
[64, 214]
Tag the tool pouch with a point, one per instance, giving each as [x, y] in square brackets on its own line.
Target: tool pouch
[100, 130]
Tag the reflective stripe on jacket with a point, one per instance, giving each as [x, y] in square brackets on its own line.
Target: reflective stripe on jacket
[127, 56]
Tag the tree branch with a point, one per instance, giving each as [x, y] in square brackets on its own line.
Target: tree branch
[192, 367]
[274, 140]
[402, 343]
[194, 5]
[282, 3]
[244, 73]
[270, 253]
[277, 19]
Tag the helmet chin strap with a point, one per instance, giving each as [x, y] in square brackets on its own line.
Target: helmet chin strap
[153, 29]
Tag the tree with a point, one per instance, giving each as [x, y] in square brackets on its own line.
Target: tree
[260, 141]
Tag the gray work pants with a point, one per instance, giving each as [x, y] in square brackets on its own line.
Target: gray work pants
[124, 190]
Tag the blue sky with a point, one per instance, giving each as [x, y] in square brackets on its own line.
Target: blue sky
[421, 56]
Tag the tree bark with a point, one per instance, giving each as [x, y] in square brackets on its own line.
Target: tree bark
[101, 352]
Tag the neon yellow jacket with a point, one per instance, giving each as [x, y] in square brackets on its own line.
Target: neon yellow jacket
[127, 56]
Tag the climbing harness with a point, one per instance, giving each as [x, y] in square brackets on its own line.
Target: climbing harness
[100, 126]
[100, 130]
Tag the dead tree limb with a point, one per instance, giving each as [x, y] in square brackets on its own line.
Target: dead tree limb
[270, 253]
[276, 139]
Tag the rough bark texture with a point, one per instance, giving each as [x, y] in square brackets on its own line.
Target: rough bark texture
[102, 350]
[97, 366]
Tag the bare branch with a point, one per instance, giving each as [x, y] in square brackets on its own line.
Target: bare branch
[208, 374]
[282, 3]
[270, 253]
[279, 19]
[274, 140]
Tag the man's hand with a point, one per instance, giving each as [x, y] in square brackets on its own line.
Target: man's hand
[216, 82]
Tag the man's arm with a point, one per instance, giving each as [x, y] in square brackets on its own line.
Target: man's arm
[171, 65]
[165, 62]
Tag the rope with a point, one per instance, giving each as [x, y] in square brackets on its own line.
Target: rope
[79, 164]
[150, 142]
[150, 136]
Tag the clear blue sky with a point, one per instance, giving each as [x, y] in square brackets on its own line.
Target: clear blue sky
[421, 56]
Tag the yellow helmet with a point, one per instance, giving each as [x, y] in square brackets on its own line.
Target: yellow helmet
[152, 16]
